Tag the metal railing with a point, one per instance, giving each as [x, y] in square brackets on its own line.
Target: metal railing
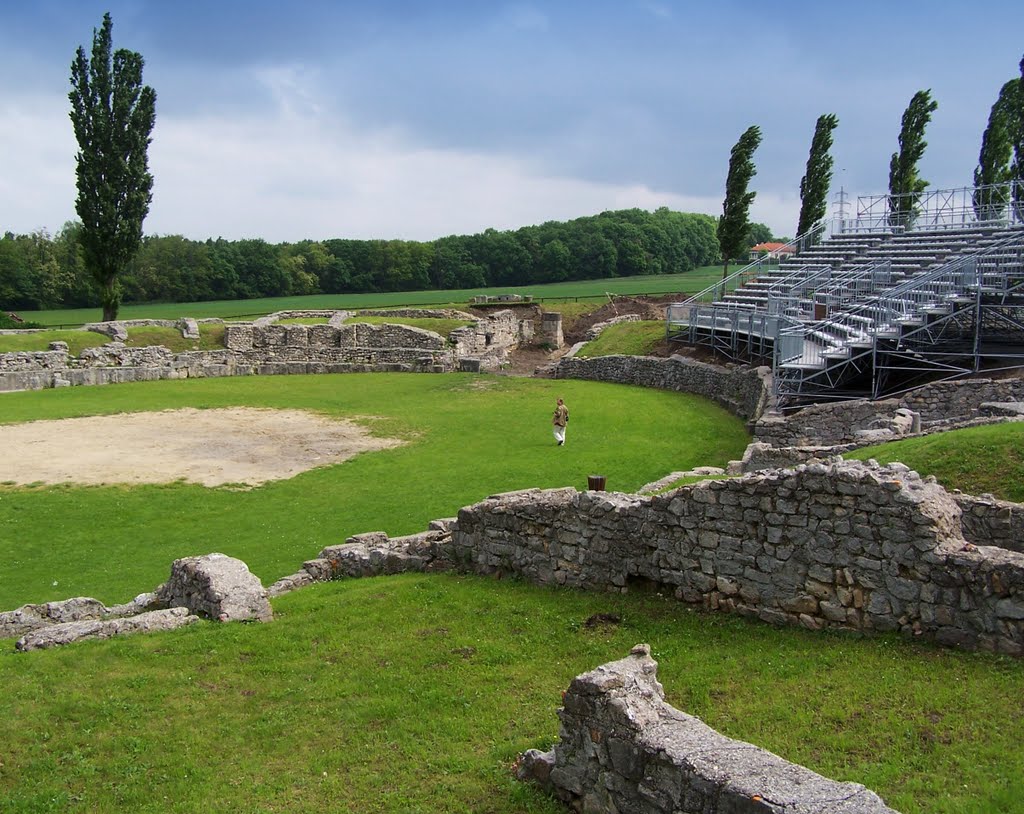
[752, 270]
[990, 205]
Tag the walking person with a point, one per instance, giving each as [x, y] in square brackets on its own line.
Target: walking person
[559, 420]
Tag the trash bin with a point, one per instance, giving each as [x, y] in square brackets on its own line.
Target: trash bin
[595, 483]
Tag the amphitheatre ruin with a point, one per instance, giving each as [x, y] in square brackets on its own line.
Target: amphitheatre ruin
[877, 331]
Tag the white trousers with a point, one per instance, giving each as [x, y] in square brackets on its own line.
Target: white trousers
[559, 434]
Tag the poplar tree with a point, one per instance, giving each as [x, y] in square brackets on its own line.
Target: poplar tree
[1017, 171]
[994, 160]
[733, 225]
[905, 185]
[817, 178]
[113, 115]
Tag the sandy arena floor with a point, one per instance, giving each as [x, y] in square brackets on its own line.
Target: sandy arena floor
[240, 445]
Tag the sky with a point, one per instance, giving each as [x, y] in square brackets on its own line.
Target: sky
[417, 119]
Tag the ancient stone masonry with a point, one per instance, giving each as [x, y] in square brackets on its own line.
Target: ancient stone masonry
[268, 348]
[214, 586]
[598, 329]
[988, 521]
[217, 587]
[942, 405]
[743, 392]
[623, 749]
[844, 545]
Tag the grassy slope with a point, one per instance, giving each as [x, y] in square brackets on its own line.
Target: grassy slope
[628, 338]
[211, 337]
[469, 436]
[690, 282]
[415, 694]
[975, 460]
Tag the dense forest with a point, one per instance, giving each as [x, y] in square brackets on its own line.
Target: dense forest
[39, 271]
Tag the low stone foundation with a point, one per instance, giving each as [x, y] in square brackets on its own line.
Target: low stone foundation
[267, 348]
[623, 749]
[845, 545]
[742, 391]
[213, 586]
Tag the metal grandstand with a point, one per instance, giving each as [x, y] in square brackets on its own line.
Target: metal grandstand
[874, 305]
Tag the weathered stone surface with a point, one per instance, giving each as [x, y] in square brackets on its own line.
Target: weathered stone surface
[31, 617]
[623, 749]
[68, 632]
[115, 330]
[218, 587]
[840, 545]
[742, 392]
[290, 583]
[268, 348]
[189, 328]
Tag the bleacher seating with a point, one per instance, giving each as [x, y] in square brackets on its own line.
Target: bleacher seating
[819, 317]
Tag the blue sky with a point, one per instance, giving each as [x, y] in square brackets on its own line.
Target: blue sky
[316, 119]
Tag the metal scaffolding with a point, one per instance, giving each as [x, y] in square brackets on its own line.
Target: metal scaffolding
[868, 308]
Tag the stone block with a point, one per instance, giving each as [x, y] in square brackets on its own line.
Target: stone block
[218, 587]
[68, 632]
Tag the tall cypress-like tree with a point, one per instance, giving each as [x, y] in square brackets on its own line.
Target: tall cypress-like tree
[113, 115]
[817, 178]
[905, 186]
[1017, 171]
[994, 160]
[733, 225]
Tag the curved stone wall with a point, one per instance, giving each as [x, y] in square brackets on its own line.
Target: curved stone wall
[742, 391]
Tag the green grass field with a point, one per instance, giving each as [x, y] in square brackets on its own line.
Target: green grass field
[211, 337]
[627, 338]
[469, 436]
[975, 460]
[659, 284]
[415, 693]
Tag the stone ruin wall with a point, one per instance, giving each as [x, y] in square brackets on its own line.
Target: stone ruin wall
[274, 349]
[743, 392]
[622, 748]
[940, 405]
[848, 546]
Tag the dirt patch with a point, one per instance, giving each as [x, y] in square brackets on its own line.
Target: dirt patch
[240, 445]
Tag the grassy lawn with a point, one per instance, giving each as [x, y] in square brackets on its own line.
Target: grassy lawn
[975, 460]
[688, 283]
[211, 337]
[438, 325]
[627, 338]
[415, 694]
[469, 436]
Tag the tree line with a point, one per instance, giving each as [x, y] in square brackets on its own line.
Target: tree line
[42, 271]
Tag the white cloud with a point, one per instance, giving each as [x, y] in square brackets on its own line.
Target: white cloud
[37, 185]
[297, 177]
[298, 173]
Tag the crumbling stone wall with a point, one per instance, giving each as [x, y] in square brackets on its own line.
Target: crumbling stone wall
[939, 405]
[743, 392]
[343, 348]
[623, 749]
[214, 586]
[988, 521]
[275, 349]
[846, 545]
